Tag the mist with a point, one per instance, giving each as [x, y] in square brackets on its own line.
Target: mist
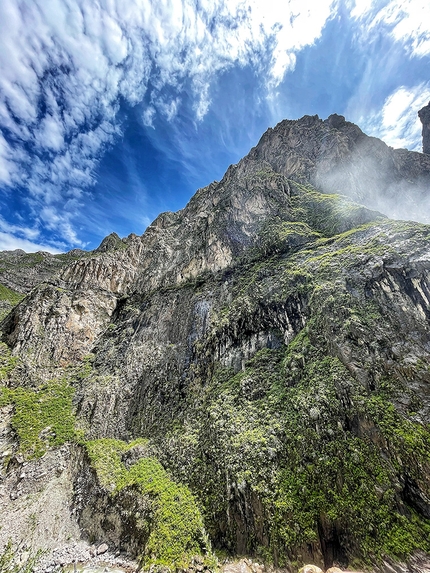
[395, 182]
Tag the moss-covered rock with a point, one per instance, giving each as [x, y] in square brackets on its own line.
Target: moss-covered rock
[42, 417]
[172, 522]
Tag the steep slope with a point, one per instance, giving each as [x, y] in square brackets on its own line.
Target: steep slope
[20, 272]
[253, 371]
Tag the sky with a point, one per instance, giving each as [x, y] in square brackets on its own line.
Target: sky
[112, 111]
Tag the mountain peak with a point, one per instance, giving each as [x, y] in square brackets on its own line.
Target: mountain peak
[110, 243]
[335, 156]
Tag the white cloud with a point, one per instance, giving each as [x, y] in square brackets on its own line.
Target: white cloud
[23, 237]
[408, 21]
[169, 108]
[360, 8]
[66, 64]
[10, 242]
[50, 134]
[26, 232]
[397, 123]
[7, 165]
[148, 116]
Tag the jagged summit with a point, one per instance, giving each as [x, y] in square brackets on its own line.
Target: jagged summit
[110, 243]
[337, 157]
[253, 371]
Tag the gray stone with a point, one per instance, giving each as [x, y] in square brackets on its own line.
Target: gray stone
[102, 548]
[310, 569]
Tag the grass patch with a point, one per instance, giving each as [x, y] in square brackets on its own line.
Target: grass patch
[43, 417]
[8, 362]
[177, 534]
[176, 525]
[10, 295]
[105, 455]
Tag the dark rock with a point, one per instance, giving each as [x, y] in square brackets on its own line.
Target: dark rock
[424, 115]
[335, 120]
[415, 497]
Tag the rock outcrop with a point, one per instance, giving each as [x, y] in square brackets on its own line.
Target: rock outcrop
[424, 115]
[252, 373]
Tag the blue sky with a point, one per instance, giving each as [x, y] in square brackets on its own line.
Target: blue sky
[112, 112]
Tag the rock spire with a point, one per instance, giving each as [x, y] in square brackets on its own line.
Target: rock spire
[424, 115]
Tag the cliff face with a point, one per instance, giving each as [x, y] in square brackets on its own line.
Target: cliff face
[253, 371]
[20, 272]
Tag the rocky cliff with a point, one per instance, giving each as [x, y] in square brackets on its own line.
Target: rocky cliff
[249, 376]
[20, 272]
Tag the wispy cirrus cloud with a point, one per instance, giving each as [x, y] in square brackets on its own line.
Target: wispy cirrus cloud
[26, 232]
[407, 22]
[23, 237]
[67, 65]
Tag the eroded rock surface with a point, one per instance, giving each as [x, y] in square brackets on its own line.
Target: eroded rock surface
[259, 359]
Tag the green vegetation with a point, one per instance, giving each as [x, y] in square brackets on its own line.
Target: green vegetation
[25, 260]
[68, 257]
[85, 369]
[8, 362]
[31, 259]
[105, 455]
[280, 431]
[176, 532]
[329, 214]
[277, 236]
[10, 295]
[42, 417]
[10, 560]
[8, 299]
[335, 476]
